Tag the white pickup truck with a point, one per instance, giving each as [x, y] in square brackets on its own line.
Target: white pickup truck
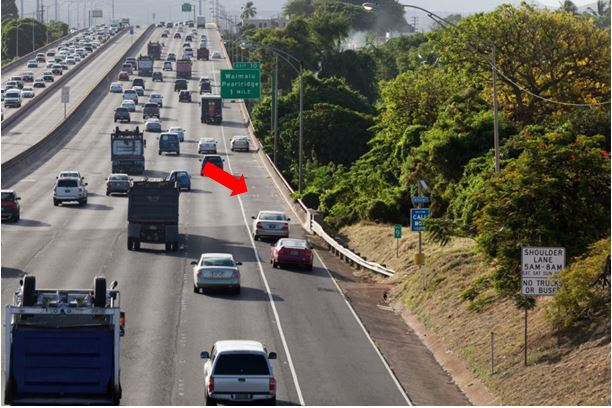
[239, 371]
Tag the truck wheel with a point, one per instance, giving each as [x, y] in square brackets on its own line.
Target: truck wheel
[159, 152]
[209, 401]
[195, 289]
[136, 245]
[29, 287]
[274, 264]
[99, 291]
[55, 202]
[168, 246]
[130, 244]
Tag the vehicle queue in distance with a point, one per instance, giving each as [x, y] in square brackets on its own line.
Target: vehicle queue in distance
[228, 359]
[51, 64]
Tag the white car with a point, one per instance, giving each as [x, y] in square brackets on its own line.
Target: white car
[32, 64]
[179, 131]
[131, 95]
[271, 224]
[239, 143]
[153, 125]
[129, 105]
[139, 90]
[69, 189]
[207, 145]
[215, 55]
[27, 92]
[216, 271]
[239, 371]
[116, 87]
[156, 98]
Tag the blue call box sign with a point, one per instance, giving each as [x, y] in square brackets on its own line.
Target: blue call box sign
[416, 219]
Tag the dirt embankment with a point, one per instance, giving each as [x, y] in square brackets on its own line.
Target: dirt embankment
[563, 368]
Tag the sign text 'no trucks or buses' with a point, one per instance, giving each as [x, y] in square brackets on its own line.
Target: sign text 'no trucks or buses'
[538, 264]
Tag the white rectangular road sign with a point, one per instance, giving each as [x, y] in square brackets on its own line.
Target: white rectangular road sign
[66, 94]
[537, 265]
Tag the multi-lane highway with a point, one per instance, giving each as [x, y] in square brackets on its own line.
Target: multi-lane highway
[50, 113]
[325, 358]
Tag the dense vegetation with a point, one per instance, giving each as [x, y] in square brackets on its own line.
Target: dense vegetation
[380, 118]
[23, 35]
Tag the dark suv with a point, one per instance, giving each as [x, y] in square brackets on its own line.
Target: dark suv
[211, 158]
[180, 84]
[10, 205]
[122, 115]
[138, 82]
[184, 96]
[150, 110]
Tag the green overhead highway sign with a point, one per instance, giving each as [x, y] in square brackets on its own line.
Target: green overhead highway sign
[240, 84]
[186, 7]
[247, 65]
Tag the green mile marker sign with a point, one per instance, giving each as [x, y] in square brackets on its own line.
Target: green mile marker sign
[240, 84]
[397, 231]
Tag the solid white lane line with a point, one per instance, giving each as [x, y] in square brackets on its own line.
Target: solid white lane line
[265, 281]
[348, 304]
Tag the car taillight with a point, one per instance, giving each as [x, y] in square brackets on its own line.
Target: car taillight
[258, 225]
[199, 274]
[9, 204]
[108, 183]
[122, 319]
[211, 384]
[236, 273]
[272, 384]
[286, 226]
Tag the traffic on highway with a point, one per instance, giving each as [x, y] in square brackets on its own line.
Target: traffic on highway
[159, 197]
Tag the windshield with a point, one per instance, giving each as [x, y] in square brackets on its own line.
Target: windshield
[241, 364]
[8, 196]
[119, 178]
[67, 183]
[273, 217]
[218, 262]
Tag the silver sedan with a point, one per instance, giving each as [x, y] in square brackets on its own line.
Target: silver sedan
[239, 143]
[216, 270]
[271, 224]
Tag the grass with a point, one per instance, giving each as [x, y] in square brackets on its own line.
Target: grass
[564, 368]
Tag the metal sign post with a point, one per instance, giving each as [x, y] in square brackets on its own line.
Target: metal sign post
[397, 233]
[538, 265]
[65, 97]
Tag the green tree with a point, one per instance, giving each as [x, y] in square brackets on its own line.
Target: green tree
[57, 29]
[248, 10]
[601, 13]
[556, 193]
[569, 7]
[22, 36]
[9, 10]
[555, 55]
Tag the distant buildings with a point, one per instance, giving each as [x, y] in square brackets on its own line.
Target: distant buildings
[274, 22]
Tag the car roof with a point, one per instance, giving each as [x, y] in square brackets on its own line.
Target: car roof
[118, 174]
[239, 345]
[7, 191]
[272, 212]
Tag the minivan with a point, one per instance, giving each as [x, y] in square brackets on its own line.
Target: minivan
[169, 143]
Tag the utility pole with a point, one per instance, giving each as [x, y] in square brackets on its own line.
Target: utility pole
[21, 9]
[56, 18]
[112, 10]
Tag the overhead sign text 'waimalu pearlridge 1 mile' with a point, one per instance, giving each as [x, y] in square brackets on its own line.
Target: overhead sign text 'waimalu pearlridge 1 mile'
[538, 264]
[240, 84]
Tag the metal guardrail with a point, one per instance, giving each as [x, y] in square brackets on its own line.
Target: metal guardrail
[46, 47]
[310, 224]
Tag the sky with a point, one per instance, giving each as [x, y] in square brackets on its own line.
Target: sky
[141, 11]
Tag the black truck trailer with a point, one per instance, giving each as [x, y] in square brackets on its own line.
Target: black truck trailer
[153, 214]
[127, 151]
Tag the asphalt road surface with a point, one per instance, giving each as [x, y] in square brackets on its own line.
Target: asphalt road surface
[324, 356]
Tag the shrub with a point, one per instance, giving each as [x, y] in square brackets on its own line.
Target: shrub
[579, 297]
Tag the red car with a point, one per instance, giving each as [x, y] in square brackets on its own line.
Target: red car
[291, 251]
[124, 76]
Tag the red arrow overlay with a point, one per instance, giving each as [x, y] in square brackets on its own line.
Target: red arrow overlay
[236, 184]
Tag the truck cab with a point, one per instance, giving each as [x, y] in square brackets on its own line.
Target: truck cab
[169, 143]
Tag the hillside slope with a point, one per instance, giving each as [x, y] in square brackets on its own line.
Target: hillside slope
[564, 368]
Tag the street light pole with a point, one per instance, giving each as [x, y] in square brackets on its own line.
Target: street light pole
[301, 138]
[275, 110]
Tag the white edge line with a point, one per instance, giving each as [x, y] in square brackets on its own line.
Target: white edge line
[269, 293]
[395, 380]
